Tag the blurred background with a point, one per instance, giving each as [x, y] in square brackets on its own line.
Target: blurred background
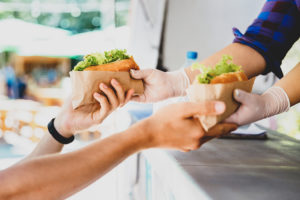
[42, 40]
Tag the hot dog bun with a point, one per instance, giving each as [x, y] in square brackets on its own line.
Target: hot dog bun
[117, 66]
[229, 77]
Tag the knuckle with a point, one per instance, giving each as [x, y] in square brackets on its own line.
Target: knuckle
[104, 103]
[114, 106]
[120, 89]
[102, 98]
[198, 134]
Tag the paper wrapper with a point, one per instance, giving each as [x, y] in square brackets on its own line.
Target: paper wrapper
[222, 92]
[86, 83]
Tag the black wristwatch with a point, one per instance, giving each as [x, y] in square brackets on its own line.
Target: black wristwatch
[57, 136]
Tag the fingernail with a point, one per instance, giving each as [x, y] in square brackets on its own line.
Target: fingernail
[103, 86]
[132, 71]
[114, 82]
[237, 93]
[219, 107]
[96, 94]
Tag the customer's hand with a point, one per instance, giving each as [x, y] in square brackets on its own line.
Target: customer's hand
[255, 107]
[160, 85]
[69, 121]
[175, 127]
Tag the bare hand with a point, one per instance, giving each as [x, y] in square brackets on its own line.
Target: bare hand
[69, 121]
[175, 127]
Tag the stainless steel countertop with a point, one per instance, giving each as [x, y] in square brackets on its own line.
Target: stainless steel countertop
[246, 169]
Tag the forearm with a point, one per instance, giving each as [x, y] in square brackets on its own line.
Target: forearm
[47, 145]
[290, 84]
[58, 176]
[251, 61]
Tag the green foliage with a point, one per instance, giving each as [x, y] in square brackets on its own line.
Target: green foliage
[82, 23]
[223, 66]
[86, 21]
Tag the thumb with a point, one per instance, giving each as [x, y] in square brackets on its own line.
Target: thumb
[242, 96]
[140, 74]
[190, 109]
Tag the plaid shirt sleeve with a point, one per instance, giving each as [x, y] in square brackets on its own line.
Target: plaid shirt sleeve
[273, 32]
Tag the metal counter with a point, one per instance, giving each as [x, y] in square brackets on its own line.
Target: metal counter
[231, 169]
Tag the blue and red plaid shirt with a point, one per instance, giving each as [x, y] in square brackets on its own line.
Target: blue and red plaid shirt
[273, 32]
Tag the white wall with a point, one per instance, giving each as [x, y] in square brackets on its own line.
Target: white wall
[146, 27]
[204, 26]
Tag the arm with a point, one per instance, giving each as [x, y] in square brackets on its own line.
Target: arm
[260, 50]
[58, 176]
[69, 121]
[175, 83]
[290, 84]
[266, 41]
[251, 61]
[47, 145]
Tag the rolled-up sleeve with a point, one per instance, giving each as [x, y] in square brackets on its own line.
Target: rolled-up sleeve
[273, 32]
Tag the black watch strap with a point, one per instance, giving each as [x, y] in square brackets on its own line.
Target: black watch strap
[57, 136]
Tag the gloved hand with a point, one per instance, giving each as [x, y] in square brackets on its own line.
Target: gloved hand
[255, 107]
[161, 85]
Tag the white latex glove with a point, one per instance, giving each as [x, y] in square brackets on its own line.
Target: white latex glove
[161, 85]
[255, 107]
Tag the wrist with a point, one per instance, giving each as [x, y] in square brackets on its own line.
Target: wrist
[276, 101]
[142, 134]
[179, 82]
[61, 125]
